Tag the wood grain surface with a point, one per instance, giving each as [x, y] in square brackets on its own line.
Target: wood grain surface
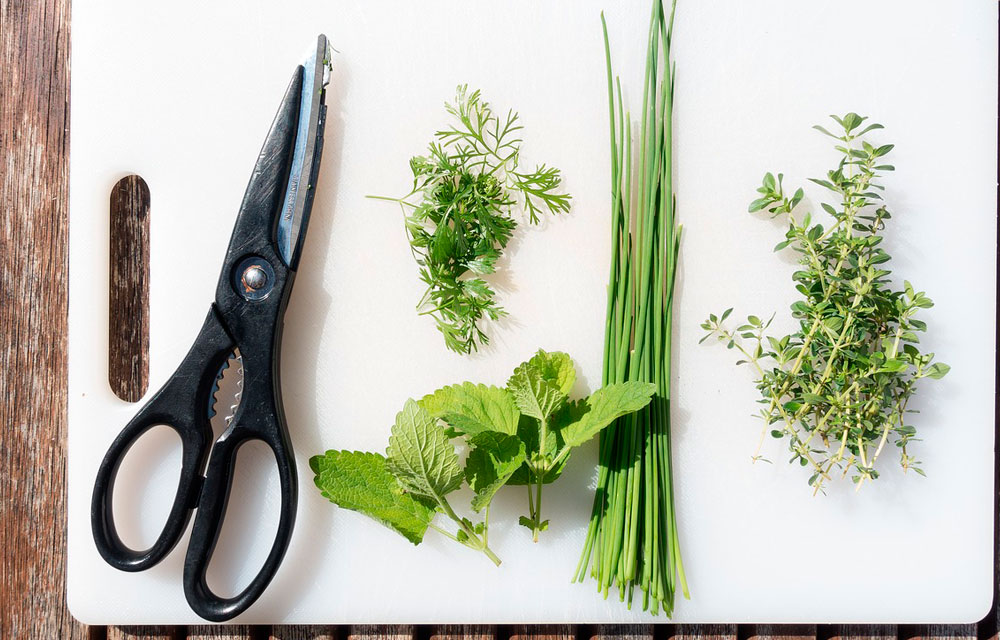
[785, 632]
[128, 299]
[297, 632]
[34, 99]
[145, 633]
[34, 109]
[463, 632]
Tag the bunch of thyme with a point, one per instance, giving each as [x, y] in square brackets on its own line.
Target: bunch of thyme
[838, 388]
[467, 187]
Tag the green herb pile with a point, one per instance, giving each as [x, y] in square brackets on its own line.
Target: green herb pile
[632, 539]
[520, 435]
[838, 388]
[459, 214]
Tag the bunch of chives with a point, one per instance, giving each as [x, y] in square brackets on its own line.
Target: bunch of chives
[632, 538]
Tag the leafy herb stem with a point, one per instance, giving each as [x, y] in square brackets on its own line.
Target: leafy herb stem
[755, 361]
[467, 532]
[538, 507]
[444, 532]
[539, 468]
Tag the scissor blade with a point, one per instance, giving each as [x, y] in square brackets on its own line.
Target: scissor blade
[301, 186]
[266, 189]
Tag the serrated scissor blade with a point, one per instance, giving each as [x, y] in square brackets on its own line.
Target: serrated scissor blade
[228, 388]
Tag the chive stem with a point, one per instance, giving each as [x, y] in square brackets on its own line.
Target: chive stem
[632, 538]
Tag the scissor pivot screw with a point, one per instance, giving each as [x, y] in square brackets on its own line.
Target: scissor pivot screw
[253, 278]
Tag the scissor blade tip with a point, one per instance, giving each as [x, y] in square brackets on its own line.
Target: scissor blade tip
[321, 57]
[327, 61]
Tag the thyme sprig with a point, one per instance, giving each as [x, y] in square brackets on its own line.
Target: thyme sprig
[459, 214]
[838, 389]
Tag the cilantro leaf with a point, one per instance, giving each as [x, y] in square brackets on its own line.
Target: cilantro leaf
[492, 460]
[603, 407]
[538, 384]
[459, 213]
[473, 408]
[421, 456]
[361, 482]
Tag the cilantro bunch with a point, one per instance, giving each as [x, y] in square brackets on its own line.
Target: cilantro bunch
[838, 389]
[521, 434]
[459, 214]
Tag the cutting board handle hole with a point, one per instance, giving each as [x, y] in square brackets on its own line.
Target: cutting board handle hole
[128, 300]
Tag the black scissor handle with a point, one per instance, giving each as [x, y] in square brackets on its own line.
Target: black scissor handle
[181, 404]
[211, 513]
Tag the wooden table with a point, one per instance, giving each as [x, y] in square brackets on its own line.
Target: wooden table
[34, 143]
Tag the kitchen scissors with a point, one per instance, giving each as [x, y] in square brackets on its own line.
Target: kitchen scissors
[246, 318]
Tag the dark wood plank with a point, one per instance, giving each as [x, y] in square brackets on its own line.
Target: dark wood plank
[703, 632]
[142, 633]
[938, 632]
[463, 632]
[128, 300]
[302, 632]
[622, 632]
[780, 632]
[543, 632]
[34, 101]
[224, 632]
[864, 632]
[381, 632]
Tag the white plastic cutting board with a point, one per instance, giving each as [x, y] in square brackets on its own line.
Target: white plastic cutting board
[183, 92]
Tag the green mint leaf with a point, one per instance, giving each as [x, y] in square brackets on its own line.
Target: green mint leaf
[494, 457]
[421, 456]
[361, 482]
[604, 406]
[538, 384]
[473, 408]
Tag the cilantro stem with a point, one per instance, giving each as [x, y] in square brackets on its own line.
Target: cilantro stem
[401, 201]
